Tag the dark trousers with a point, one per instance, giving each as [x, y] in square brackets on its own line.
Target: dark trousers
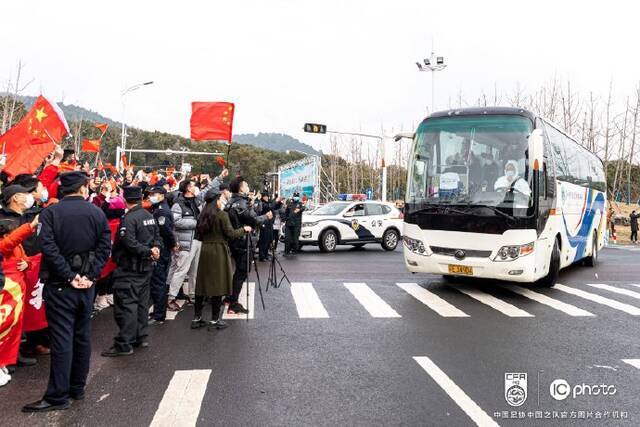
[240, 274]
[158, 286]
[216, 303]
[264, 242]
[634, 235]
[131, 307]
[69, 318]
[291, 236]
[276, 238]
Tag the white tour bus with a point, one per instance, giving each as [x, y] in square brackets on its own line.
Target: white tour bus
[500, 193]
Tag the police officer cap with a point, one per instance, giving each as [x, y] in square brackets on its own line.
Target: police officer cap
[11, 190]
[132, 192]
[71, 179]
[160, 183]
[157, 189]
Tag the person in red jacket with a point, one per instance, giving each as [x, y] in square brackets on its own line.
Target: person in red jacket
[14, 265]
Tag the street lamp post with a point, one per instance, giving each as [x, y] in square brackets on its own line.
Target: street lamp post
[433, 63]
[123, 140]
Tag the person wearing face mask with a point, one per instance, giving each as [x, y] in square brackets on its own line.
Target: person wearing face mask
[511, 180]
[241, 213]
[184, 263]
[293, 224]
[35, 321]
[164, 218]
[17, 200]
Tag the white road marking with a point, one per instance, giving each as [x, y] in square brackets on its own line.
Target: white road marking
[635, 311]
[242, 299]
[493, 302]
[613, 289]
[633, 362]
[307, 301]
[375, 305]
[465, 403]
[180, 405]
[431, 300]
[171, 315]
[571, 310]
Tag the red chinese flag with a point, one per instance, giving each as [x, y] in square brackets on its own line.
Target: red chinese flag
[91, 145]
[28, 142]
[211, 121]
[102, 126]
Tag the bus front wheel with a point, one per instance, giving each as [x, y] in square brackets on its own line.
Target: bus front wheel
[550, 279]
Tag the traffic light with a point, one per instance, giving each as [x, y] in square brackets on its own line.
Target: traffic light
[315, 128]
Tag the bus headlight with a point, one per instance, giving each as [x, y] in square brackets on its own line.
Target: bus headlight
[414, 245]
[509, 253]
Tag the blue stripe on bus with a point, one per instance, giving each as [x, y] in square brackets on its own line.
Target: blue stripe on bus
[579, 241]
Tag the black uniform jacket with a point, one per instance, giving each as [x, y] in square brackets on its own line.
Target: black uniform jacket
[73, 227]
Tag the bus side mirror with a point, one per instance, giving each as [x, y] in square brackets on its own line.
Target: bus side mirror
[536, 150]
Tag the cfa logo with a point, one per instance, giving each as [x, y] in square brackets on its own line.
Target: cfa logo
[560, 390]
[515, 388]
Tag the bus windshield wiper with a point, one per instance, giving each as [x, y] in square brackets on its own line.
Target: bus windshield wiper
[469, 206]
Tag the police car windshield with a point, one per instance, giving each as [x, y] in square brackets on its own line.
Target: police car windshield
[333, 208]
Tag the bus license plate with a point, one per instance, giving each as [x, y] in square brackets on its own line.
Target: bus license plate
[461, 269]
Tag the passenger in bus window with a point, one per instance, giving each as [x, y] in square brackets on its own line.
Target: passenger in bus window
[490, 170]
[511, 179]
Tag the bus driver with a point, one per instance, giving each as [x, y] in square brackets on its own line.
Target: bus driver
[512, 180]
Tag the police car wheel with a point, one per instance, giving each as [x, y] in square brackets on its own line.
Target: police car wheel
[390, 240]
[328, 241]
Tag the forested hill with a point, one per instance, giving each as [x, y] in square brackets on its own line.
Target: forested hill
[73, 112]
[274, 141]
[270, 141]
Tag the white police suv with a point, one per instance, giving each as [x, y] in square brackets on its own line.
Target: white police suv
[352, 223]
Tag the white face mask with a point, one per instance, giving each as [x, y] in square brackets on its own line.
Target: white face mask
[45, 195]
[154, 200]
[510, 173]
[196, 191]
[29, 201]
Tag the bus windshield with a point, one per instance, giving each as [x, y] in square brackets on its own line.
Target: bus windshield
[472, 160]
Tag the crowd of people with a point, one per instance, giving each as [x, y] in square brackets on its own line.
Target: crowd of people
[75, 240]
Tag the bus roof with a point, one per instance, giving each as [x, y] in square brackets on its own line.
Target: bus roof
[478, 111]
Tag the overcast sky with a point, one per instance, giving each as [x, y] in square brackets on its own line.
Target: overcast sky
[349, 64]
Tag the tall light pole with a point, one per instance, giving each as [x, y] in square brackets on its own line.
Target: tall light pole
[433, 63]
[123, 141]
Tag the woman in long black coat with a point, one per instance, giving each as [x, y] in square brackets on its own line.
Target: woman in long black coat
[214, 275]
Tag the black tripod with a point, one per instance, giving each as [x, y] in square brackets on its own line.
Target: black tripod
[272, 280]
[251, 260]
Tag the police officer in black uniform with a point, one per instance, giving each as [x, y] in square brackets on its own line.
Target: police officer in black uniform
[164, 218]
[265, 240]
[76, 241]
[293, 225]
[241, 213]
[136, 248]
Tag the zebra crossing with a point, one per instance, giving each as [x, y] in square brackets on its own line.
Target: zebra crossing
[309, 304]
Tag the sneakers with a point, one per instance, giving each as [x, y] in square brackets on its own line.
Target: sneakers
[114, 352]
[26, 361]
[5, 377]
[153, 322]
[237, 308]
[172, 305]
[217, 324]
[197, 323]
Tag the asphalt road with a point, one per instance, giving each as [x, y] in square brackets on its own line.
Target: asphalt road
[347, 345]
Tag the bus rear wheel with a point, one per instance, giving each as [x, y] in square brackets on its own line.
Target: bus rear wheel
[550, 279]
[592, 260]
